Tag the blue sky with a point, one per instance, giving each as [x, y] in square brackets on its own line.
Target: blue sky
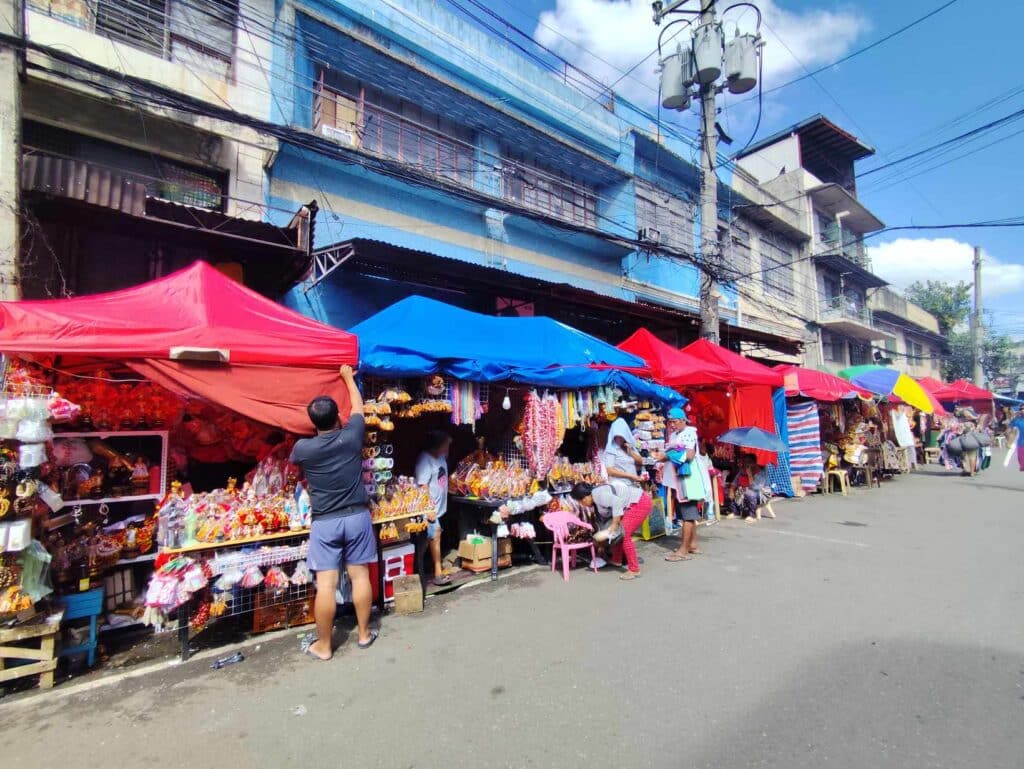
[899, 97]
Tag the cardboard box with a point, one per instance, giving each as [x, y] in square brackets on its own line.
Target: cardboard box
[484, 564]
[470, 552]
[504, 547]
[408, 595]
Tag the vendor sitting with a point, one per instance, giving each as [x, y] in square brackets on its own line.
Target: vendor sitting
[608, 501]
[749, 490]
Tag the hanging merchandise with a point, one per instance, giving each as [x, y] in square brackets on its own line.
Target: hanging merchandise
[467, 403]
[541, 432]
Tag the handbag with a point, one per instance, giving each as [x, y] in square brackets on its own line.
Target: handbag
[693, 487]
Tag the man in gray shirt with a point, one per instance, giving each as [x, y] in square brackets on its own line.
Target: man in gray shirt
[341, 531]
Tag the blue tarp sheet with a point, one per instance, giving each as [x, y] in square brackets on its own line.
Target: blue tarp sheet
[419, 336]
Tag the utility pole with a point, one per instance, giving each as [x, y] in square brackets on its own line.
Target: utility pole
[712, 64]
[709, 243]
[11, 24]
[976, 328]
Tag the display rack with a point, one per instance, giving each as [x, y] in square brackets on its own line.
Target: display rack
[205, 546]
[293, 546]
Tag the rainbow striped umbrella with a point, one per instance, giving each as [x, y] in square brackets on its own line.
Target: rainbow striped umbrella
[882, 380]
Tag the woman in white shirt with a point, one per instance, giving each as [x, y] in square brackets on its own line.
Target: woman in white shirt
[432, 472]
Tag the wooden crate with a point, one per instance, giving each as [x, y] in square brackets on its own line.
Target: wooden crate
[43, 659]
[271, 614]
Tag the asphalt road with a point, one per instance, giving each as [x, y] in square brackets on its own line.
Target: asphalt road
[885, 629]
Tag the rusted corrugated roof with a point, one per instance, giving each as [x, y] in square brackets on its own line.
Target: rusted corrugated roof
[87, 182]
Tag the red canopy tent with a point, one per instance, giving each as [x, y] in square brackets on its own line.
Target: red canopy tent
[717, 365]
[967, 391]
[818, 385]
[731, 391]
[667, 365]
[195, 331]
[959, 393]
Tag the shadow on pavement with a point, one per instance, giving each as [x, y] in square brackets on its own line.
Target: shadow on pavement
[884, 703]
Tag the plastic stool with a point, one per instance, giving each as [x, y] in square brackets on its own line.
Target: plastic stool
[931, 454]
[844, 481]
[79, 606]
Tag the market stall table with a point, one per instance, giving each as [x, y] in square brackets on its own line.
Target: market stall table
[493, 505]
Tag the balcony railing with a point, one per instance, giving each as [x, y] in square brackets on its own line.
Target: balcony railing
[836, 240]
[841, 308]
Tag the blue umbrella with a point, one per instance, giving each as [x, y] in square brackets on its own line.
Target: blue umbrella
[753, 438]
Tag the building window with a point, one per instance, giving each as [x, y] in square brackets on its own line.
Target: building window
[546, 191]
[777, 267]
[200, 34]
[671, 217]
[833, 348]
[736, 245]
[363, 116]
[915, 352]
[860, 354]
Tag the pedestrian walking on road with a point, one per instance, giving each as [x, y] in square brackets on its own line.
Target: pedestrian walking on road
[341, 531]
[1017, 425]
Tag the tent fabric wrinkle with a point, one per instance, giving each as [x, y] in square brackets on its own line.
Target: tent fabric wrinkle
[273, 395]
[665, 363]
[197, 307]
[419, 336]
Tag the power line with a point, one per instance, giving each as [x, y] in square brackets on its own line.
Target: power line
[1004, 120]
[825, 67]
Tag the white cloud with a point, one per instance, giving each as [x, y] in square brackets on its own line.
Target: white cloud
[621, 33]
[905, 260]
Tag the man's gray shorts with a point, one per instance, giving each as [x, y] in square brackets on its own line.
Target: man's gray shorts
[341, 540]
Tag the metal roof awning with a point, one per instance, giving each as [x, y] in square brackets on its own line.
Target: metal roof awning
[836, 201]
[91, 195]
[414, 267]
[820, 139]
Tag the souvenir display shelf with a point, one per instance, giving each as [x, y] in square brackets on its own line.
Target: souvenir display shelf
[65, 518]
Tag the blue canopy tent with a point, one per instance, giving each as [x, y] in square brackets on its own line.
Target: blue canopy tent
[418, 336]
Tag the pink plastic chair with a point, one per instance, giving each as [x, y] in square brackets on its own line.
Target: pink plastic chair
[558, 524]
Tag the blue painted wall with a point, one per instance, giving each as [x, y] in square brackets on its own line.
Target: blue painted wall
[508, 100]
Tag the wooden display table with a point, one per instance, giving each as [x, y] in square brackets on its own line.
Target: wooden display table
[44, 659]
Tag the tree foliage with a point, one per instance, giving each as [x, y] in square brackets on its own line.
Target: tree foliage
[950, 303]
[998, 356]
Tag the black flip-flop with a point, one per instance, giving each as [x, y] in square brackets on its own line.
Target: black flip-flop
[442, 581]
[309, 653]
[373, 637]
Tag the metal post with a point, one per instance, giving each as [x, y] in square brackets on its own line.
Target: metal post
[709, 245]
[976, 335]
[12, 24]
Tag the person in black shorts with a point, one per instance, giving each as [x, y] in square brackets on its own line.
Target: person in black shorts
[341, 531]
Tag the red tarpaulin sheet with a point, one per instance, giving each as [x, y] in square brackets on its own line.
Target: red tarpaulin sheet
[273, 395]
[279, 359]
[196, 307]
[716, 362]
[818, 385]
